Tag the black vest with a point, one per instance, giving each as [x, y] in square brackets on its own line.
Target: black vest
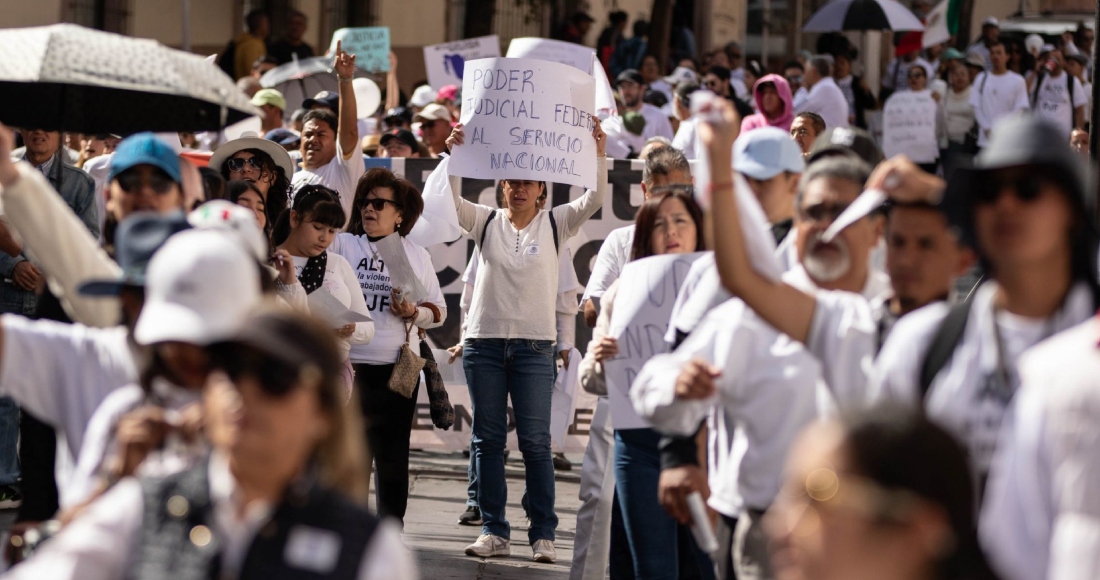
[178, 539]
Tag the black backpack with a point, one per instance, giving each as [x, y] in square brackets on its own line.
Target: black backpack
[228, 60]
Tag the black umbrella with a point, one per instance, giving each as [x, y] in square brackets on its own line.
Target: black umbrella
[839, 15]
[70, 78]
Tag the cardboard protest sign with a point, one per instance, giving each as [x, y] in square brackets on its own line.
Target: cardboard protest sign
[370, 45]
[567, 53]
[909, 126]
[445, 62]
[527, 119]
[639, 320]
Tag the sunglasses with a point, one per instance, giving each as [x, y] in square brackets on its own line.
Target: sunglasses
[821, 212]
[275, 376]
[237, 163]
[794, 80]
[131, 181]
[377, 203]
[1026, 188]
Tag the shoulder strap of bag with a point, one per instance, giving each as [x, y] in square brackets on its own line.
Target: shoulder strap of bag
[554, 230]
[1069, 87]
[981, 89]
[1039, 78]
[481, 242]
[943, 345]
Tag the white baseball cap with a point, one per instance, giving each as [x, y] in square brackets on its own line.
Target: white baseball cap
[199, 289]
[224, 215]
[422, 96]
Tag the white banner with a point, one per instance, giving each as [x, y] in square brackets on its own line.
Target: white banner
[909, 126]
[571, 412]
[639, 322]
[445, 62]
[567, 53]
[527, 119]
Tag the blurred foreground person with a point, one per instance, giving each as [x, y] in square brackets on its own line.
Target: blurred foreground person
[282, 494]
[887, 496]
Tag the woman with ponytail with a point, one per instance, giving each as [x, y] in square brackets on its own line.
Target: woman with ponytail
[306, 230]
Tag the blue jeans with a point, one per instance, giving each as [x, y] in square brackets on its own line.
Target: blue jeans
[9, 436]
[650, 532]
[497, 368]
[471, 473]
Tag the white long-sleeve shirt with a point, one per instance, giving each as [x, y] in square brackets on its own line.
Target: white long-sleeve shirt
[613, 255]
[100, 544]
[826, 99]
[517, 281]
[770, 389]
[1041, 517]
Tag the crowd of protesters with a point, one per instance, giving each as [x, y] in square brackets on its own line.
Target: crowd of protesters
[204, 367]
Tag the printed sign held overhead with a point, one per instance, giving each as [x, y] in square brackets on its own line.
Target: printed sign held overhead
[370, 45]
[445, 62]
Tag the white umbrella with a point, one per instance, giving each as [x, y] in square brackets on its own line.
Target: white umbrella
[77, 79]
[839, 15]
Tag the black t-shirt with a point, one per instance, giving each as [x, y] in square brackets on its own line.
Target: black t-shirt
[283, 51]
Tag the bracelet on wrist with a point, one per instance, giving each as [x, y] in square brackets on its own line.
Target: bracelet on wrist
[345, 79]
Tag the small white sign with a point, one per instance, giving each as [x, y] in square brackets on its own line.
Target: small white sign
[445, 62]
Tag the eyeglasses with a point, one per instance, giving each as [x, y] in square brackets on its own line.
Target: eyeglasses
[1026, 188]
[131, 181]
[823, 212]
[428, 123]
[377, 203]
[237, 163]
[275, 376]
[794, 80]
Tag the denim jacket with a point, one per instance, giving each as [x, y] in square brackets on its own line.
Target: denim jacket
[78, 190]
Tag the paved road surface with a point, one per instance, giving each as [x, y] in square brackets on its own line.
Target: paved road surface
[438, 497]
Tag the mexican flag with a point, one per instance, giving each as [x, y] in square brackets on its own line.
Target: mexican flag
[942, 22]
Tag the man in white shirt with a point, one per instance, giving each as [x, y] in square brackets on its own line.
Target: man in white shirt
[991, 34]
[824, 97]
[997, 93]
[1059, 97]
[1041, 518]
[330, 144]
[632, 88]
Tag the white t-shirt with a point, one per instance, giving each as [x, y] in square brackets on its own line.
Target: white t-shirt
[374, 282]
[685, 138]
[340, 282]
[967, 396]
[99, 168]
[656, 123]
[1053, 103]
[614, 254]
[341, 174]
[1001, 95]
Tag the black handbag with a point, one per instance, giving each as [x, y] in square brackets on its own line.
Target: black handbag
[443, 414]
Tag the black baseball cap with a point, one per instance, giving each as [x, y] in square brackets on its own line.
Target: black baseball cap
[846, 141]
[404, 135]
[631, 75]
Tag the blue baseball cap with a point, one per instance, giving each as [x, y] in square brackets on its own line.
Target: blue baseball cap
[139, 236]
[766, 152]
[144, 149]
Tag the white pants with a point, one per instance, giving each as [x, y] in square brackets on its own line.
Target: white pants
[592, 543]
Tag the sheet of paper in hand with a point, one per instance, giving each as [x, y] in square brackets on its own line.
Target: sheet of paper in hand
[370, 45]
[909, 126]
[527, 119]
[640, 315]
[567, 53]
[392, 251]
[445, 62]
[326, 307]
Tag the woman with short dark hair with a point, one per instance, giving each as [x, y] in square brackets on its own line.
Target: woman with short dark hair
[384, 205]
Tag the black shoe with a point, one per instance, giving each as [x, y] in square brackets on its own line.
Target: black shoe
[470, 517]
[10, 497]
[561, 463]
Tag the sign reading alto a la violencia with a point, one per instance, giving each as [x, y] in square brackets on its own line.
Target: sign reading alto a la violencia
[527, 119]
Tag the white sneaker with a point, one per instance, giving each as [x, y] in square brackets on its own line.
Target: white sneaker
[544, 551]
[488, 545]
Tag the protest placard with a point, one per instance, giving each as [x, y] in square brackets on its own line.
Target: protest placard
[446, 61]
[909, 126]
[639, 321]
[527, 119]
[567, 53]
[370, 45]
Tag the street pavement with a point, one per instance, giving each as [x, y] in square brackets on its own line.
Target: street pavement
[438, 497]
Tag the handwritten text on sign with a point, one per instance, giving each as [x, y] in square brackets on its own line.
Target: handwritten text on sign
[909, 126]
[446, 62]
[527, 119]
[643, 305]
[370, 45]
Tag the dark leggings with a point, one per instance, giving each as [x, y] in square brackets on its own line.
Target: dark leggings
[389, 418]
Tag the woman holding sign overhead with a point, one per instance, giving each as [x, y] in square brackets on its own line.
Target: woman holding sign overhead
[384, 211]
[305, 231]
[509, 344]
